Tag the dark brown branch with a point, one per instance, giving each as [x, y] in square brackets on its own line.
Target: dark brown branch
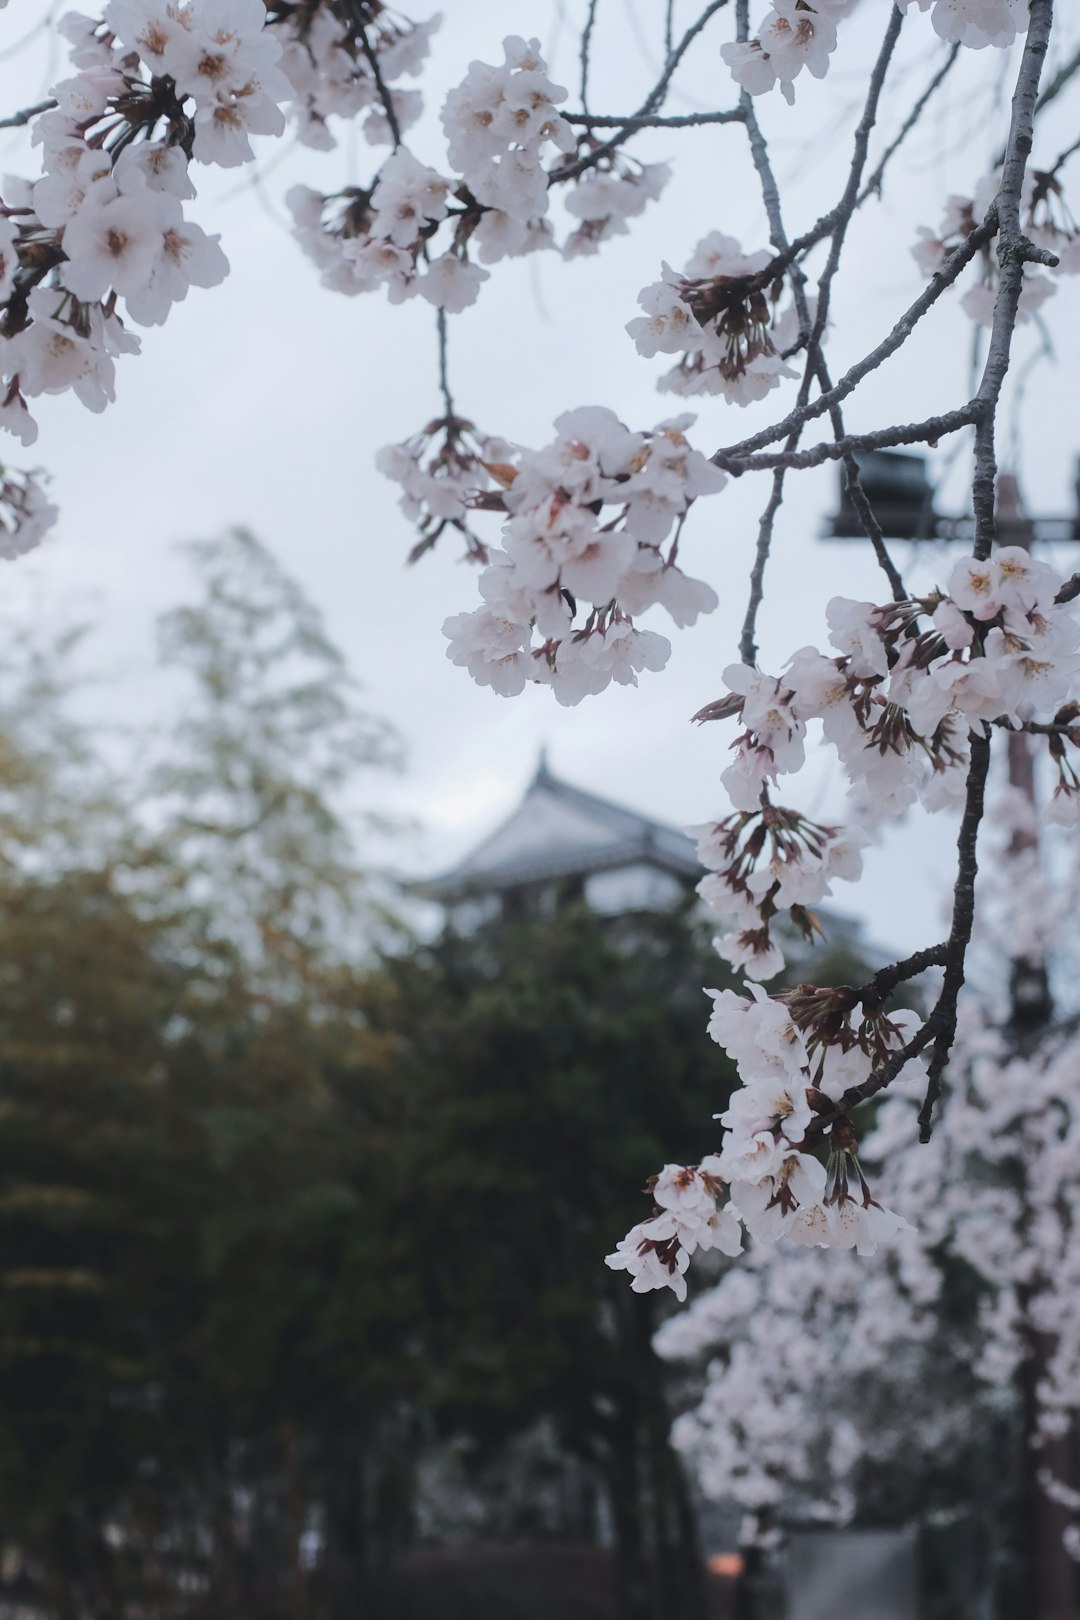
[733, 457]
[770, 196]
[385, 96]
[444, 379]
[748, 635]
[1070, 590]
[940, 1026]
[632, 122]
[16, 120]
[815, 363]
[652, 102]
[927, 432]
[876, 991]
[866, 515]
[943, 1016]
[1063, 157]
[823, 227]
[586, 45]
[873, 185]
[1013, 251]
[1043, 728]
[844, 212]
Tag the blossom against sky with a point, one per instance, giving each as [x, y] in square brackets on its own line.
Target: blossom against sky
[266, 398]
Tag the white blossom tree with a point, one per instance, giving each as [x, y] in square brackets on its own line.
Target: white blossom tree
[915, 690]
[820, 1379]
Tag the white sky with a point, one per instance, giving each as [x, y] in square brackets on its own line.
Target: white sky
[262, 402]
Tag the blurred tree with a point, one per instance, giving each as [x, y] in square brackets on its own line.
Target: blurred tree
[171, 1185]
[256, 791]
[542, 1055]
[281, 1224]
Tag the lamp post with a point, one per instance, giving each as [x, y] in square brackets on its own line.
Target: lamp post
[897, 485]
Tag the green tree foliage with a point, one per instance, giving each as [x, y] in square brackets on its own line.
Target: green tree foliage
[542, 1058]
[270, 747]
[281, 1221]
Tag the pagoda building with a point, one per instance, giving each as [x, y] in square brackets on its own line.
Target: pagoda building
[562, 844]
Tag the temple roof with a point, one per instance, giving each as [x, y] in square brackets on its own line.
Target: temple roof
[562, 831]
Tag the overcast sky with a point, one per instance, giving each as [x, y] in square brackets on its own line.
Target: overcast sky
[262, 402]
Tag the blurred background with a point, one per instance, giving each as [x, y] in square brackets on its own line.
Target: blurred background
[319, 1104]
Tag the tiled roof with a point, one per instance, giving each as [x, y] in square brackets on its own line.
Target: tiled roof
[563, 831]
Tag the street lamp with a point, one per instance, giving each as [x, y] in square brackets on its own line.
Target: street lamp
[897, 485]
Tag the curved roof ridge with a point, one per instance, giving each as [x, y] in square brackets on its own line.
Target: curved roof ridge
[595, 832]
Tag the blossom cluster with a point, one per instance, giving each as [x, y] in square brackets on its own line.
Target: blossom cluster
[911, 679]
[562, 594]
[657, 1252]
[1046, 222]
[444, 471]
[158, 85]
[342, 59]
[413, 229]
[615, 189]
[815, 1364]
[720, 315]
[764, 864]
[997, 1194]
[366, 240]
[25, 513]
[498, 123]
[798, 1055]
[797, 34]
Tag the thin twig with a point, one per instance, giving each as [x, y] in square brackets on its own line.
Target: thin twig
[815, 361]
[1063, 158]
[632, 122]
[876, 991]
[733, 457]
[381, 86]
[845, 211]
[943, 1016]
[1013, 252]
[1070, 590]
[16, 120]
[873, 185]
[652, 102]
[586, 44]
[927, 432]
[444, 379]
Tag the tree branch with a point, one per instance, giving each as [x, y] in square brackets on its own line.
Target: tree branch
[16, 120]
[733, 457]
[652, 102]
[1014, 251]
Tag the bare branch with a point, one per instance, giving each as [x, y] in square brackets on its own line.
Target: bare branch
[943, 1017]
[16, 120]
[1063, 158]
[444, 381]
[632, 122]
[385, 96]
[876, 991]
[652, 102]
[586, 44]
[1013, 252]
[928, 432]
[733, 457]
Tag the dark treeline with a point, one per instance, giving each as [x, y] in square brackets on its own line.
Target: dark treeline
[300, 1243]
